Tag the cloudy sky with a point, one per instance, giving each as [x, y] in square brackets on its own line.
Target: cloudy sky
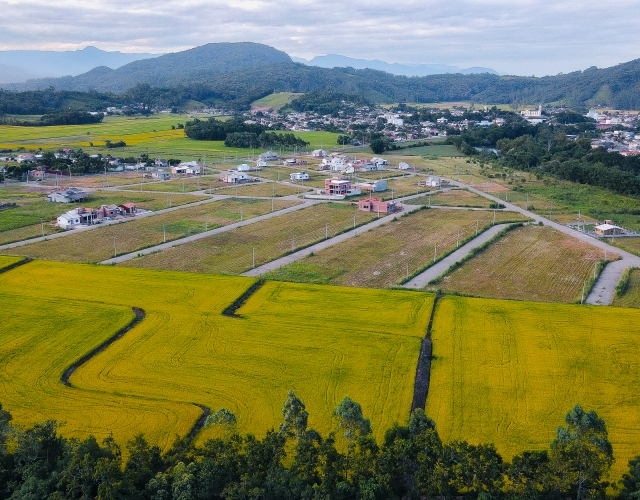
[522, 37]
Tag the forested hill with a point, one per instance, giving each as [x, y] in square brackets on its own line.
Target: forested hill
[197, 64]
[235, 74]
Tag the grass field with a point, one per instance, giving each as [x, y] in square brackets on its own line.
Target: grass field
[453, 198]
[275, 101]
[183, 185]
[97, 244]
[185, 351]
[528, 263]
[436, 150]
[385, 255]
[630, 297]
[507, 372]
[629, 244]
[98, 181]
[264, 189]
[233, 252]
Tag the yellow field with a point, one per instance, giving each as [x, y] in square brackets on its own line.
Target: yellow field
[385, 255]
[98, 244]
[529, 263]
[507, 372]
[232, 252]
[6, 261]
[185, 351]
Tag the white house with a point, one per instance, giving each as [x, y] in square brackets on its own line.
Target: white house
[161, 175]
[381, 162]
[68, 220]
[261, 163]
[373, 186]
[432, 182]
[193, 170]
[70, 195]
[243, 168]
[235, 177]
[268, 156]
[179, 169]
[319, 153]
[299, 176]
[403, 166]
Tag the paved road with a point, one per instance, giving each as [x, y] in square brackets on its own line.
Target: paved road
[603, 291]
[441, 266]
[205, 234]
[288, 259]
[81, 229]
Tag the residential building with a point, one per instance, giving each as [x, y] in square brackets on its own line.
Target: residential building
[235, 177]
[160, 175]
[70, 195]
[299, 176]
[376, 205]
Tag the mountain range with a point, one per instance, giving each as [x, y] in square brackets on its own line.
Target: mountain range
[337, 61]
[235, 74]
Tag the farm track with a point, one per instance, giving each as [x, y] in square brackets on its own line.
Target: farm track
[423, 367]
[240, 301]
[22, 262]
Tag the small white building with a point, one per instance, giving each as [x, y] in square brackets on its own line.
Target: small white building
[68, 220]
[160, 175]
[319, 153]
[243, 168]
[299, 176]
[235, 177]
[261, 164]
[372, 186]
[403, 166]
[179, 170]
[432, 182]
[380, 162]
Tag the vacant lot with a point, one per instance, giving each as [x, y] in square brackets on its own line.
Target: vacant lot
[507, 372]
[234, 251]
[98, 180]
[385, 255]
[629, 244]
[263, 189]
[98, 244]
[180, 185]
[631, 296]
[436, 150]
[453, 198]
[529, 263]
[185, 351]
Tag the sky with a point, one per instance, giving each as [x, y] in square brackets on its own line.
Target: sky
[521, 37]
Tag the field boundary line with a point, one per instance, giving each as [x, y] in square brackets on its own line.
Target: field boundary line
[230, 310]
[339, 238]
[423, 367]
[22, 262]
[204, 234]
[140, 314]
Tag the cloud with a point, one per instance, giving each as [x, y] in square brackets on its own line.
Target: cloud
[515, 36]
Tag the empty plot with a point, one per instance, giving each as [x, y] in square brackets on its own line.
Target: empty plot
[184, 185]
[629, 244]
[507, 372]
[236, 251]
[98, 180]
[453, 198]
[387, 254]
[264, 189]
[101, 243]
[529, 263]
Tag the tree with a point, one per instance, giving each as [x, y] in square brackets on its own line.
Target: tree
[225, 419]
[295, 417]
[378, 146]
[631, 481]
[581, 454]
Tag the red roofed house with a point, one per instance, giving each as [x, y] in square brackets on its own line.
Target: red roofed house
[376, 205]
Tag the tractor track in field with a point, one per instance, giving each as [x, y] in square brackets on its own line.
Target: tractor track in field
[423, 369]
[230, 311]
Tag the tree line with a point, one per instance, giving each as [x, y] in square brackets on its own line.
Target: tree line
[296, 462]
[70, 117]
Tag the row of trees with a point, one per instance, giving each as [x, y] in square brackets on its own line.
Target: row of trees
[296, 462]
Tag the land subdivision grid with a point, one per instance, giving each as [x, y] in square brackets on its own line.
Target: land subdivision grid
[183, 185]
[97, 180]
[265, 189]
[185, 352]
[528, 263]
[453, 198]
[237, 250]
[101, 243]
[385, 255]
[507, 372]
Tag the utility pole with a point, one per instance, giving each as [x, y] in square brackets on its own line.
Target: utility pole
[115, 253]
[476, 227]
[435, 247]
[458, 240]
[42, 225]
[253, 257]
[326, 231]
[494, 218]
[583, 288]
[293, 242]
[164, 234]
[527, 205]
[354, 221]
[240, 214]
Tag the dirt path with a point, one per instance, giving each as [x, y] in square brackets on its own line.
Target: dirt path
[205, 234]
[288, 259]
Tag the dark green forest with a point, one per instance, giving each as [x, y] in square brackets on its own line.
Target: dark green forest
[296, 462]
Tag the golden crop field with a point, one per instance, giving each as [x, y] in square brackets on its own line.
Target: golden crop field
[631, 296]
[529, 263]
[6, 261]
[97, 244]
[453, 198]
[185, 351]
[232, 252]
[385, 255]
[36, 348]
[507, 372]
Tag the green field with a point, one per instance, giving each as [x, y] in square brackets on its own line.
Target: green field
[631, 295]
[98, 244]
[436, 150]
[453, 198]
[186, 352]
[275, 101]
[507, 372]
[234, 251]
